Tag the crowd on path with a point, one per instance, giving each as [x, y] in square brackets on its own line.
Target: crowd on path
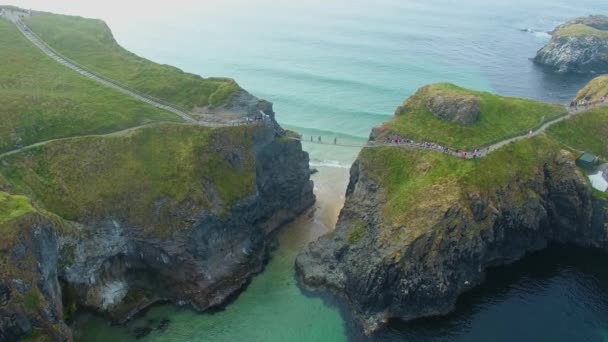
[585, 104]
[395, 140]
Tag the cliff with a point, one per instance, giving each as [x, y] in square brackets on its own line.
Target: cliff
[111, 204]
[579, 46]
[167, 212]
[420, 227]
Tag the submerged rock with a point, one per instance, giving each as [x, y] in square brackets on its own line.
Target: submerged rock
[579, 46]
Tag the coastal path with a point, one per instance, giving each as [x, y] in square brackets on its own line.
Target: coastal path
[471, 154]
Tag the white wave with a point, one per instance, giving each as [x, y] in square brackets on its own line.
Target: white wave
[329, 163]
[598, 181]
[542, 34]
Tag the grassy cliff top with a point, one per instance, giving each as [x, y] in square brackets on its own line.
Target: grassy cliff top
[159, 177]
[590, 25]
[12, 207]
[421, 186]
[424, 184]
[499, 118]
[587, 131]
[595, 90]
[41, 99]
[578, 30]
[90, 42]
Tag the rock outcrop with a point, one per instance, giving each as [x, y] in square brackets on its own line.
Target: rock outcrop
[579, 46]
[422, 274]
[30, 295]
[464, 111]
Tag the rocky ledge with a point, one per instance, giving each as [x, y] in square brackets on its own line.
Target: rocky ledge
[579, 46]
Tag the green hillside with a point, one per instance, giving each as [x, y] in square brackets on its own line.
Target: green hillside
[144, 176]
[43, 100]
[90, 43]
[499, 118]
[587, 131]
[594, 91]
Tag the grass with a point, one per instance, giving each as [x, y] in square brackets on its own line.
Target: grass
[586, 131]
[500, 118]
[43, 100]
[577, 30]
[33, 300]
[12, 207]
[158, 177]
[357, 232]
[594, 91]
[422, 186]
[90, 43]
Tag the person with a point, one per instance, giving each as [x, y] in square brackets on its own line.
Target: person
[335, 141]
[311, 138]
[319, 138]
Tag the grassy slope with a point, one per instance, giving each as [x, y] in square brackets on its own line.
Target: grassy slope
[12, 207]
[501, 117]
[576, 30]
[423, 184]
[41, 100]
[90, 43]
[153, 177]
[594, 90]
[587, 131]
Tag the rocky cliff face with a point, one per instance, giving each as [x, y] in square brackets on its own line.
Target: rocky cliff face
[119, 269]
[108, 263]
[30, 295]
[580, 46]
[417, 275]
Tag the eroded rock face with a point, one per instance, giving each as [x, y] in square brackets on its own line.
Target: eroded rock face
[583, 53]
[382, 279]
[30, 295]
[575, 54]
[119, 270]
[464, 111]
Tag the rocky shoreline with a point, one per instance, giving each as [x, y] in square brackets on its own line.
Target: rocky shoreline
[578, 46]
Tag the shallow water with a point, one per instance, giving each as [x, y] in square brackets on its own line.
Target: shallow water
[336, 68]
[269, 307]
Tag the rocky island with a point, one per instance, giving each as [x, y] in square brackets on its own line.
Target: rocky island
[124, 182]
[420, 227]
[578, 46]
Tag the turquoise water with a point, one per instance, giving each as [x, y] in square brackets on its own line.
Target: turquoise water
[337, 68]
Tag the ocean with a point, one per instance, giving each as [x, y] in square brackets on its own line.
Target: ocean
[337, 68]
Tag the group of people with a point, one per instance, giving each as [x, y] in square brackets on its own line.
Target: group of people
[320, 139]
[585, 103]
[476, 153]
